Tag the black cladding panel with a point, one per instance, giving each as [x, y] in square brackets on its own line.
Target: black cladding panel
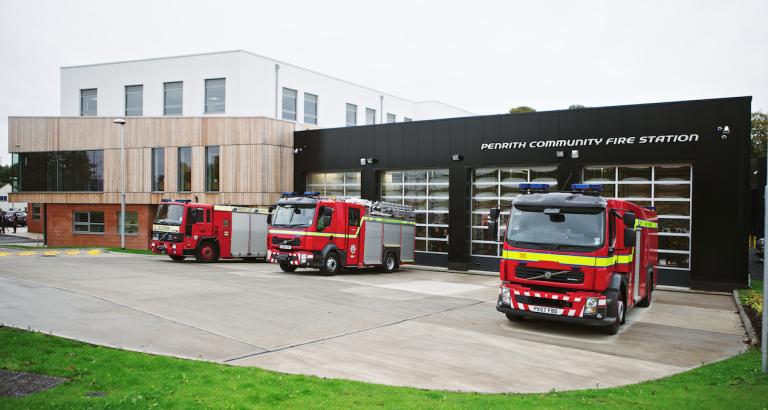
[720, 197]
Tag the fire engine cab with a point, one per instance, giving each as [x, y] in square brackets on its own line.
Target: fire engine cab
[576, 256]
[308, 231]
[209, 232]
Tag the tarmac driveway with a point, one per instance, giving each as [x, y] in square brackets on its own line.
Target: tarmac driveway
[417, 328]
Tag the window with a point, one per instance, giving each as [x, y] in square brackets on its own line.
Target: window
[88, 102]
[185, 169]
[173, 98]
[212, 168]
[134, 100]
[289, 104]
[391, 118]
[427, 192]
[61, 171]
[492, 187]
[3, 198]
[324, 218]
[406, 119]
[337, 184]
[370, 116]
[36, 212]
[351, 115]
[158, 169]
[310, 108]
[354, 217]
[131, 223]
[88, 222]
[215, 95]
[668, 189]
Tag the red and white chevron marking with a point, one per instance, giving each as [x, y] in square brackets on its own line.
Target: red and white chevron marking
[571, 312]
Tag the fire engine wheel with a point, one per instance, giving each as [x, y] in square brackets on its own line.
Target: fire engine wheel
[285, 267]
[616, 310]
[390, 263]
[331, 265]
[207, 253]
[646, 302]
[177, 258]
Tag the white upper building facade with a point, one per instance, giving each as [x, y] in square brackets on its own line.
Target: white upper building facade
[233, 83]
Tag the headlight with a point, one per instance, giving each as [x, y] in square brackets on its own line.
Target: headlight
[173, 246]
[303, 258]
[505, 298]
[590, 307]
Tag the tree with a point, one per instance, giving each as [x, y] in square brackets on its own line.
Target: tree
[576, 107]
[5, 174]
[759, 135]
[522, 108]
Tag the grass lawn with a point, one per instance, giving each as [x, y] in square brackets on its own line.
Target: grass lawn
[135, 380]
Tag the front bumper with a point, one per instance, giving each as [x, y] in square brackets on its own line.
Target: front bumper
[168, 248]
[561, 307]
[298, 258]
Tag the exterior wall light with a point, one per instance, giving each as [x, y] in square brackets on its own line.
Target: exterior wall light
[362, 161]
[560, 154]
[575, 153]
[371, 160]
[457, 157]
[299, 149]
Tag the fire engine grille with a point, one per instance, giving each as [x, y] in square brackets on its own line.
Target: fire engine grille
[286, 241]
[524, 272]
[531, 300]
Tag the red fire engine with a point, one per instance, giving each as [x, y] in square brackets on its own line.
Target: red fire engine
[576, 257]
[330, 234]
[209, 232]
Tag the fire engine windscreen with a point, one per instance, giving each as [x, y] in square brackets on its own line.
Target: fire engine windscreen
[288, 216]
[169, 214]
[556, 228]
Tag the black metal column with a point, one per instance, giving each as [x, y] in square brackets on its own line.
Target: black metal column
[458, 217]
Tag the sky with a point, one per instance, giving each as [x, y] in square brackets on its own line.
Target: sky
[483, 56]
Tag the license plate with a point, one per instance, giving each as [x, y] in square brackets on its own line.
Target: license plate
[547, 310]
[285, 246]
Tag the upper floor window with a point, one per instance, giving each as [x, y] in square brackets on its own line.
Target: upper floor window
[61, 171]
[215, 95]
[173, 94]
[351, 115]
[391, 118]
[406, 119]
[310, 108]
[88, 102]
[134, 100]
[370, 116]
[289, 104]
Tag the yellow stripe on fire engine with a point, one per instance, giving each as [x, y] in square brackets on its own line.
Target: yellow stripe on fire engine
[165, 228]
[593, 261]
[646, 224]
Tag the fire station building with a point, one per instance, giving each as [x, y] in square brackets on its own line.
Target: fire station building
[688, 160]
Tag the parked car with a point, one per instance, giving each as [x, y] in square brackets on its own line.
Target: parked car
[760, 248]
[21, 218]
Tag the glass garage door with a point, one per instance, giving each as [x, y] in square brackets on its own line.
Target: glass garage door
[499, 186]
[668, 188]
[338, 184]
[427, 192]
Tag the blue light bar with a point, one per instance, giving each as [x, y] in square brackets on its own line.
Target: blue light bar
[311, 193]
[587, 187]
[544, 187]
[289, 194]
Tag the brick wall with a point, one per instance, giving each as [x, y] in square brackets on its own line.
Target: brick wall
[35, 225]
[61, 226]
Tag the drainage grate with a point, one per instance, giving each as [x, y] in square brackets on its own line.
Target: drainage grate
[18, 384]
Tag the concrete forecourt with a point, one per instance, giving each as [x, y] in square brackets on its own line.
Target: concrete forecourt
[420, 328]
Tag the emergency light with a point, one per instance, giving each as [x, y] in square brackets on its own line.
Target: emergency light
[311, 193]
[289, 194]
[530, 188]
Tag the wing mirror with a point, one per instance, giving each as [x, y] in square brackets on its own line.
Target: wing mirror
[629, 237]
[629, 219]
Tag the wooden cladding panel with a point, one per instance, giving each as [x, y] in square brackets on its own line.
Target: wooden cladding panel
[171, 168]
[88, 133]
[138, 168]
[198, 169]
[32, 134]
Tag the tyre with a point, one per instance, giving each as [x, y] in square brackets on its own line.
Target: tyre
[646, 302]
[331, 265]
[390, 263]
[177, 258]
[514, 318]
[615, 310]
[207, 252]
[286, 267]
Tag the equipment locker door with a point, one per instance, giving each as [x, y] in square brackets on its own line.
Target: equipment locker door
[353, 220]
